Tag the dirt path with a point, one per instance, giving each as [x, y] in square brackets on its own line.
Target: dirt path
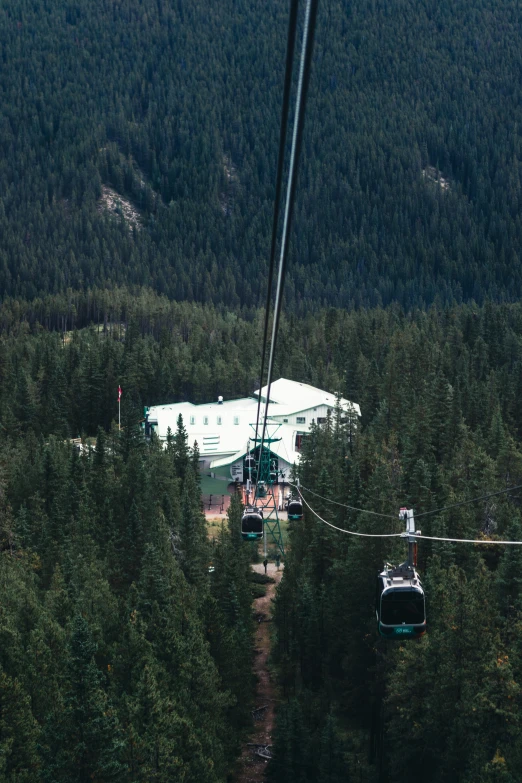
[250, 767]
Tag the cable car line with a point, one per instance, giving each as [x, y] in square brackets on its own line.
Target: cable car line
[285, 111]
[466, 502]
[351, 508]
[297, 139]
[350, 532]
[410, 535]
[423, 513]
[252, 519]
[467, 540]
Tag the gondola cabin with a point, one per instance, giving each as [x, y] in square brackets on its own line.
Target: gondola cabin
[400, 605]
[252, 524]
[261, 490]
[295, 509]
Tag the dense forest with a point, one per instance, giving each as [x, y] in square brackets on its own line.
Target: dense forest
[138, 145]
[442, 423]
[116, 637]
[122, 657]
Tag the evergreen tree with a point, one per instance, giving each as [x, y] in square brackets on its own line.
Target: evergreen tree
[89, 740]
[180, 450]
[19, 734]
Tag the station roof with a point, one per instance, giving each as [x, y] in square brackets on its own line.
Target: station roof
[296, 397]
[224, 428]
[283, 448]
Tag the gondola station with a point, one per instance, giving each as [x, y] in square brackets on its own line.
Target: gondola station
[224, 433]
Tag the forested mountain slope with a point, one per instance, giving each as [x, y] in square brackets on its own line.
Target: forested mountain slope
[122, 657]
[111, 624]
[138, 145]
[441, 424]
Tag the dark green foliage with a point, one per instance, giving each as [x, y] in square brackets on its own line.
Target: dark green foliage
[442, 426]
[113, 541]
[88, 739]
[410, 180]
[261, 579]
[119, 660]
[257, 591]
[19, 734]
[180, 451]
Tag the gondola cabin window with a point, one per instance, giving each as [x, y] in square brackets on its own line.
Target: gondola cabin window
[402, 608]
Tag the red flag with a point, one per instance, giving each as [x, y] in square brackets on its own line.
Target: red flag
[119, 393]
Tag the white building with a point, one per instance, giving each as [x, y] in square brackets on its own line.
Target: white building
[224, 430]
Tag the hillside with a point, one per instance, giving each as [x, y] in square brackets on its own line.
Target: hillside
[138, 145]
[104, 559]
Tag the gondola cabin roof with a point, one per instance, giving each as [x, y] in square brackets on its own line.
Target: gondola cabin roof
[408, 579]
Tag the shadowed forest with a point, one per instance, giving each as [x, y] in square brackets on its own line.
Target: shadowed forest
[138, 145]
[112, 627]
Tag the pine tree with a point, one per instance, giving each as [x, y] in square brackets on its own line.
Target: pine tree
[180, 450]
[331, 766]
[20, 761]
[193, 534]
[92, 740]
[194, 461]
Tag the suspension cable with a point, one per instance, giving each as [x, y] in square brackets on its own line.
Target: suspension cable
[405, 534]
[466, 502]
[462, 540]
[290, 47]
[344, 505]
[424, 513]
[300, 113]
[350, 532]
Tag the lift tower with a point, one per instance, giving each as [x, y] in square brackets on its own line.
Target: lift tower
[265, 490]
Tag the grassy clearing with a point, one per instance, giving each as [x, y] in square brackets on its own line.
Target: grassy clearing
[214, 527]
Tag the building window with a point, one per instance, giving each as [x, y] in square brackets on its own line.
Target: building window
[299, 438]
[218, 419]
[192, 419]
[205, 419]
[300, 419]
[236, 419]
[285, 421]
[321, 419]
